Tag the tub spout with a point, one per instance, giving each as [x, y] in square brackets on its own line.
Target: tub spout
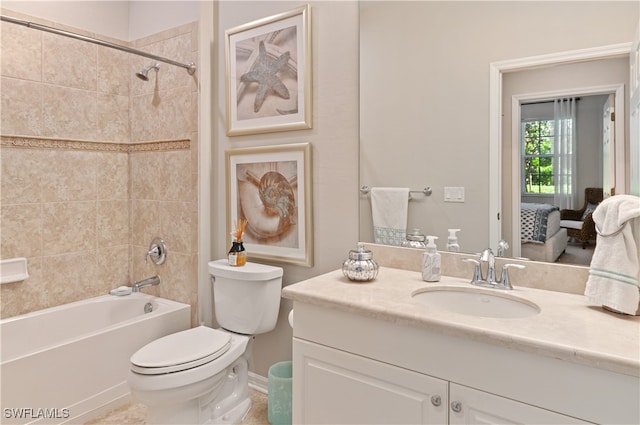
[150, 281]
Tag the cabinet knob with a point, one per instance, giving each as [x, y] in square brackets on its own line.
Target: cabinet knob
[436, 400]
[456, 406]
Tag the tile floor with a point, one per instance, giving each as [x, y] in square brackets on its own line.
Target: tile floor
[134, 413]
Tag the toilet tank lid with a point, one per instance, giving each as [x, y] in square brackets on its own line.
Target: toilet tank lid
[250, 271]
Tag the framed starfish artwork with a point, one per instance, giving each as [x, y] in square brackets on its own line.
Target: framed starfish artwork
[269, 187]
[268, 74]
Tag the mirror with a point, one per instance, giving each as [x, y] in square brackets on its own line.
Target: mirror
[425, 109]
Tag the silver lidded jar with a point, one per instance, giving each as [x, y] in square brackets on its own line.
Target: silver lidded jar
[360, 266]
[414, 239]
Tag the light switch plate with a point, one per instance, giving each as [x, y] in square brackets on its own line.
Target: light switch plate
[454, 194]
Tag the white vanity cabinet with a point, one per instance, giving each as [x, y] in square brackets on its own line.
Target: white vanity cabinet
[470, 406]
[351, 367]
[343, 388]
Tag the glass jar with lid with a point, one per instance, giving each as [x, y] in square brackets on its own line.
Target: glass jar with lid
[415, 239]
[360, 266]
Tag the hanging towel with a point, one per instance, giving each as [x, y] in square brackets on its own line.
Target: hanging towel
[389, 206]
[615, 268]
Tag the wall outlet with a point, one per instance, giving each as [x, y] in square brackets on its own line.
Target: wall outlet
[454, 194]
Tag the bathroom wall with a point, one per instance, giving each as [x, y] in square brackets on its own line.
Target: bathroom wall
[153, 16]
[95, 163]
[334, 140]
[163, 180]
[109, 18]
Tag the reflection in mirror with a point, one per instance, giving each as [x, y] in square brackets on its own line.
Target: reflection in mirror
[541, 170]
[425, 100]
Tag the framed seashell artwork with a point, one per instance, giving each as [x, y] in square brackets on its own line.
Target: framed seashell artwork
[268, 74]
[270, 188]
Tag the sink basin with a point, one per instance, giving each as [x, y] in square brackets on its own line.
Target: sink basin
[476, 302]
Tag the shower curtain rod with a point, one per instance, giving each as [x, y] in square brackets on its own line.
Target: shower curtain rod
[190, 67]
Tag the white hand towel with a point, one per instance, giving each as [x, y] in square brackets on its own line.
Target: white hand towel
[389, 207]
[614, 270]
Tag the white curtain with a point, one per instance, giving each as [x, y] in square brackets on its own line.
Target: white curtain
[564, 160]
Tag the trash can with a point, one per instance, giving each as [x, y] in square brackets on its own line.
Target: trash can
[279, 398]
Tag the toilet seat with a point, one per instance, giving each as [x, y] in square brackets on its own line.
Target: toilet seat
[180, 351]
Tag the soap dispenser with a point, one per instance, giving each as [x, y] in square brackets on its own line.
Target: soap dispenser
[431, 261]
[452, 241]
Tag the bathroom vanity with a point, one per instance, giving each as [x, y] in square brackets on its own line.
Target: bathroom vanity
[371, 353]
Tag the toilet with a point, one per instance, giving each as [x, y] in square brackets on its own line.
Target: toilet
[200, 375]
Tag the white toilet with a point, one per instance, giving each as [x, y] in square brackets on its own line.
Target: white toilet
[200, 376]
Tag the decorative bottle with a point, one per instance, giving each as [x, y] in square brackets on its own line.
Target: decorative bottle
[237, 255]
[360, 266]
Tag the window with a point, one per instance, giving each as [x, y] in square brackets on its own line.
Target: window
[537, 148]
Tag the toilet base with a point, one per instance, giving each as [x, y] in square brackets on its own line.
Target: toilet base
[228, 404]
[235, 402]
[233, 416]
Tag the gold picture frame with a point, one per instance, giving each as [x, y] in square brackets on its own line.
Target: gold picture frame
[270, 187]
[268, 74]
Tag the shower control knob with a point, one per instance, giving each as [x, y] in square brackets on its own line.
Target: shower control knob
[157, 252]
[436, 400]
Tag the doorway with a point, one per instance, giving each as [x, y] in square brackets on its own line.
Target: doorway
[593, 165]
[501, 155]
[586, 94]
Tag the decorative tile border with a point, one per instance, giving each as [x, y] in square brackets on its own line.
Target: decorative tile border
[164, 145]
[80, 145]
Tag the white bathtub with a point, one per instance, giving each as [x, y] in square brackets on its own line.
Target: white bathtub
[69, 364]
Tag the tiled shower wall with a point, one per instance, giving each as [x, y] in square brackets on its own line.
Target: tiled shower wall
[95, 164]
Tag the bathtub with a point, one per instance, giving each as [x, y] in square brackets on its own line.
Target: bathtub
[69, 364]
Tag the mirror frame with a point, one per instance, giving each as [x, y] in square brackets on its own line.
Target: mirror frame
[496, 70]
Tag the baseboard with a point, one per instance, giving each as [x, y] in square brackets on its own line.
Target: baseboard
[258, 383]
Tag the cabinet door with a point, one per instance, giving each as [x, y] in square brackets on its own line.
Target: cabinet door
[469, 406]
[334, 387]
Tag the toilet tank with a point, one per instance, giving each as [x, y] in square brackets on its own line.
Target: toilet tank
[246, 299]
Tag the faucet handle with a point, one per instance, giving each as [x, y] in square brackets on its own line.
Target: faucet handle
[502, 248]
[157, 252]
[504, 281]
[477, 273]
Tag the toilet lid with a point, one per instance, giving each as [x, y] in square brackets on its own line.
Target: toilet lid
[180, 351]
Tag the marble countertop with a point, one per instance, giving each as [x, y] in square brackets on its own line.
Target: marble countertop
[567, 327]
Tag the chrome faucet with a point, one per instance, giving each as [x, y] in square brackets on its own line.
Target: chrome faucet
[490, 280]
[150, 281]
[490, 259]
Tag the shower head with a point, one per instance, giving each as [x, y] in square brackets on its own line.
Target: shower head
[143, 75]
